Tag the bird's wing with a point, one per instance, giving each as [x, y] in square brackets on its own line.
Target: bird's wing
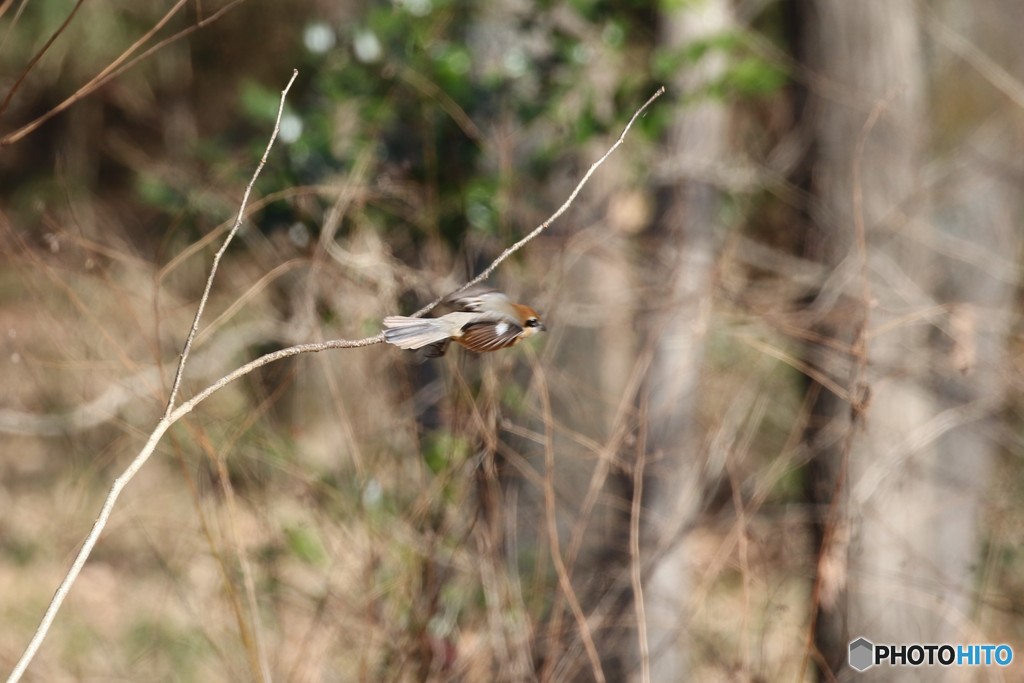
[478, 299]
[489, 335]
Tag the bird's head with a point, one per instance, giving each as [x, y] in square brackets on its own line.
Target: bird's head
[529, 320]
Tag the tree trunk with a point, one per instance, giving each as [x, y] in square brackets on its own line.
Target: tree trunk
[677, 309]
[898, 431]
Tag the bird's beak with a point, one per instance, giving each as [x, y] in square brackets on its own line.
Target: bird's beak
[542, 327]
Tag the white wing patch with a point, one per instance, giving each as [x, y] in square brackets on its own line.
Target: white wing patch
[489, 336]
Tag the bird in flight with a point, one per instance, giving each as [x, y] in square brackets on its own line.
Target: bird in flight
[483, 320]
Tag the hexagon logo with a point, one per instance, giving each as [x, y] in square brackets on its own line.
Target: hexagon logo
[862, 653]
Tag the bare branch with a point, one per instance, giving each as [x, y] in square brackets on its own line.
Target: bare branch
[162, 426]
[635, 560]
[39, 55]
[224, 247]
[172, 414]
[564, 582]
[546, 224]
[118, 66]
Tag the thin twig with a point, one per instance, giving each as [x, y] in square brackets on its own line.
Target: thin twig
[635, 562]
[564, 582]
[172, 414]
[162, 426]
[119, 66]
[39, 55]
[133, 468]
[224, 247]
[546, 224]
[96, 81]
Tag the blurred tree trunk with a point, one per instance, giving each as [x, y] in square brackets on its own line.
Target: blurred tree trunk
[898, 428]
[682, 252]
[870, 55]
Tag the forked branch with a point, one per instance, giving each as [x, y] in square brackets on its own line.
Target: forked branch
[172, 414]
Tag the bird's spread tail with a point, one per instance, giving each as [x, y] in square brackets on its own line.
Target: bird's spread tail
[414, 333]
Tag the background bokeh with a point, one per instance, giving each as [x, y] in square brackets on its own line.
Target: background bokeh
[779, 399]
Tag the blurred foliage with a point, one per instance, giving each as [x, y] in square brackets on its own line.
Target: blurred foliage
[458, 123]
[422, 87]
[746, 74]
[305, 545]
[412, 84]
[444, 451]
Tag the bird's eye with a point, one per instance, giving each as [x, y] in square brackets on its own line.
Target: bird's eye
[532, 322]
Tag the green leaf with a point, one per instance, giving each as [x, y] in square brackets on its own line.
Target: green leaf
[444, 449]
[259, 102]
[156, 192]
[305, 545]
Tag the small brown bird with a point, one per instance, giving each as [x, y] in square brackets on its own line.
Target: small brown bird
[484, 320]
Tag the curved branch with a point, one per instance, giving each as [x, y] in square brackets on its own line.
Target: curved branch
[170, 417]
[172, 414]
[486, 273]
[224, 247]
